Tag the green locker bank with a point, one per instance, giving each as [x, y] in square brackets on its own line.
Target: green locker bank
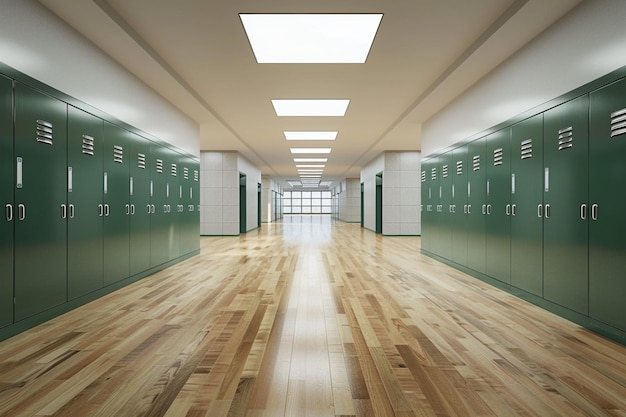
[79, 191]
[543, 211]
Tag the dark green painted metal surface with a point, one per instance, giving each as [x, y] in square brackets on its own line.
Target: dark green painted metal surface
[476, 205]
[85, 219]
[565, 209]
[117, 158]
[607, 197]
[7, 184]
[190, 216]
[444, 210]
[427, 206]
[242, 204]
[41, 200]
[526, 197]
[498, 225]
[458, 170]
[139, 203]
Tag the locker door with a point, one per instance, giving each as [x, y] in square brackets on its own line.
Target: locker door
[85, 224]
[498, 225]
[565, 210]
[174, 215]
[445, 206]
[459, 205]
[476, 205]
[607, 250]
[526, 196]
[139, 204]
[41, 200]
[159, 233]
[116, 180]
[426, 206]
[190, 222]
[7, 181]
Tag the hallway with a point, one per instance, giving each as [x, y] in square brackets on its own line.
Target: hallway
[311, 317]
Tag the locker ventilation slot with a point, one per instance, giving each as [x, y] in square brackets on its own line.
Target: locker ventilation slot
[141, 161]
[444, 171]
[423, 176]
[565, 138]
[174, 170]
[618, 123]
[196, 175]
[159, 166]
[88, 145]
[497, 157]
[44, 132]
[118, 154]
[186, 173]
[476, 163]
[433, 174]
[459, 167]
[527, 149]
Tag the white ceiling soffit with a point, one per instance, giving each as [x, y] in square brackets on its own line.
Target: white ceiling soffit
[197, 56]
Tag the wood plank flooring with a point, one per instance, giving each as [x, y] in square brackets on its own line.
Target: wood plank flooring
[311, 317]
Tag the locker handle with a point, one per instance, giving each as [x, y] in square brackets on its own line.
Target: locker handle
[484, 209]
[469, 209]
[100, 210]
[594, 212]
[153, 209]
[9, 212]
[72, 210]
[21, 211]
[132, 209]
[583, 211]
[540, 211]
[547, 211]
[149, 208]
[489, 209]
[106, 210]
[127, 207]
[507, 210]
[514, 209]
[63, 211]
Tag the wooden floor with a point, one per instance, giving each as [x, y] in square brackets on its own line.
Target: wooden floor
[310, 317]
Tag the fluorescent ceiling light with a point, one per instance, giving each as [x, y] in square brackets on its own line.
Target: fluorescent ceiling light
[311, 38]
[310, 150]
[311, 135]
[310, 166]
[326, 183]
[310, 107]
[294, 183]
[310, 159]
[310, 176]
[315, 171]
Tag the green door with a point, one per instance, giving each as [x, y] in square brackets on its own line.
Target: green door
[85, 224]
[565, 210]
[242, 203]
[498, 226]
[7, 181]
[526, 197]
[379, 202]
[41, 200]
[607, 181]
[459, 205]
[139, 204]
[444, 212]
[116, 179]
[476, 205]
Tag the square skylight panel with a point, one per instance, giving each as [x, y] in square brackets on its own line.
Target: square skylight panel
[311, 135]
[311, 38]
[310, 107]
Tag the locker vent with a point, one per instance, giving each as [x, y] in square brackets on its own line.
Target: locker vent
[423, 176]
[498, 157]
[141, 161]
[159, 166]
[444, 171]
[118, 154]
[174, 170]
[196, 176]
[459, 167]
[186, 173]
[618, 123]
[88, 145]
[527, 149]
[476, 163]
[565, 138]
[44, 132]
[433, 174]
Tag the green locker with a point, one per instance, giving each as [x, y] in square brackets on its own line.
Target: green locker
[444, 210]
[140, 208]
[174, 192]
[116, 187]
[189, 217]
[565, 209]
[498, 209]
[476, 205]
[425, 208]
[41, 202]
[85, 209]
[159, 195]
[430, 199]
[459, 205]
[607, 228]
[7, 181]
[526, 197]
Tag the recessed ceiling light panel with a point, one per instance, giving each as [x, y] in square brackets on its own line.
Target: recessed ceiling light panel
[311, 38]
[310, 150]
[310, 107]
[311, 135]
[310, 159]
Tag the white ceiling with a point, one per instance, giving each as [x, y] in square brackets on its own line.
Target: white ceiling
[195, 53]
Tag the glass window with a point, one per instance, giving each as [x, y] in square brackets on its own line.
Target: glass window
[306, 194]
[296, 202]
[326, 194]
[316, 202]
[287, 194]
[326, 210]
[306, 210]
[327, 202]
[316, 210]
[296, 210]
[296, 194]
[306, 202]
[287, 202]
[287, 210]
[316, 194]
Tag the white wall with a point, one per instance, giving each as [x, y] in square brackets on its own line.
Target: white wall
[37, 43]
[268, 189]
[219, 193]
[253, 178]
[401, 193]
[368, 178]
[349, 201]
[584, 45]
